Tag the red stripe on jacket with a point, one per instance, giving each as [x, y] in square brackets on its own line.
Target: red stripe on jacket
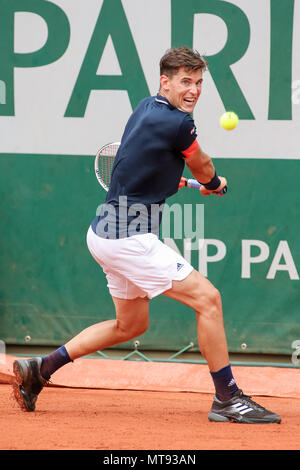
[191, 149]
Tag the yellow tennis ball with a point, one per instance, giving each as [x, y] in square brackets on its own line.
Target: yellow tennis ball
[229, 120]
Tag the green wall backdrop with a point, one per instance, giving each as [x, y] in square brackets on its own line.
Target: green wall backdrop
[51, 287]
[70, 75]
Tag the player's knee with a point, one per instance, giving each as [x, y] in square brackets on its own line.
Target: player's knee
[210, 303]
[127, 332]
[139, 328]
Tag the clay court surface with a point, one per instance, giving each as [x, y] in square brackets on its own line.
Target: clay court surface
[116, 418]
[81, 419]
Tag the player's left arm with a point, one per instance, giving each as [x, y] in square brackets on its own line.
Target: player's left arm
[202, 168]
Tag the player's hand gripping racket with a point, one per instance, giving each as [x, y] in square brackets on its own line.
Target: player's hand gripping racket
[191, 183]
[104, 163]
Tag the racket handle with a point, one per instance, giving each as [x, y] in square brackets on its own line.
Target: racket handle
[191, 183]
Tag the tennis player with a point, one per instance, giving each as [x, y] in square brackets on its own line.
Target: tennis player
[159, 139]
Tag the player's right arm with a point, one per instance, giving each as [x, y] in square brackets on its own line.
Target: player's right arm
[202, 168]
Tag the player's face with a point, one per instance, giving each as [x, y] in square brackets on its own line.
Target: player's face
[183, 89]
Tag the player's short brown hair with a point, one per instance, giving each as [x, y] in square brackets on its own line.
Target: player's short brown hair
[178, 57]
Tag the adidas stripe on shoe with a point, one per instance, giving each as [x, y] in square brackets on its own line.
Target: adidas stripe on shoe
[241, 409]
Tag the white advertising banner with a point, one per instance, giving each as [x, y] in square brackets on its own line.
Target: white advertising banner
[71, 72]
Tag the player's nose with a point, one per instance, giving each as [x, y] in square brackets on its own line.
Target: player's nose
[194, 90]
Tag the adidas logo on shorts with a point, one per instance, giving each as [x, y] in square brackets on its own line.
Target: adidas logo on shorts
[179, 266]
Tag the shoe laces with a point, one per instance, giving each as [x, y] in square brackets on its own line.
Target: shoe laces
[248, 399]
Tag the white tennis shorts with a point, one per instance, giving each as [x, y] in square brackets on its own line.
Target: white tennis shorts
[137, 266]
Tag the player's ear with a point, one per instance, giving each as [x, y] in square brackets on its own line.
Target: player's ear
[164, 82]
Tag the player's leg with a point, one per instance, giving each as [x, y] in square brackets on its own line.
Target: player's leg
[132, 320]
[198, 293]
[31, 375]
[230, 403]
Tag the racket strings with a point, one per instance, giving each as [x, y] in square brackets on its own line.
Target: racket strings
[107, 157]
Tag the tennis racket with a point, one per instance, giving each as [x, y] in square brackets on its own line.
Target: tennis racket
[104, 163]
